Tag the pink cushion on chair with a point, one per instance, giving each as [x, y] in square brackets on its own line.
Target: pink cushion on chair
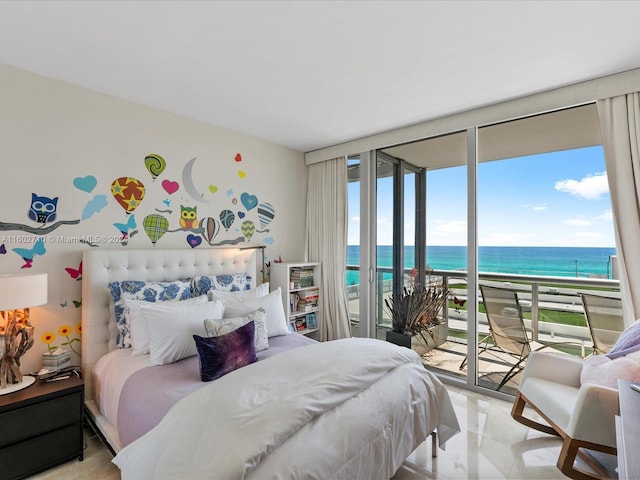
[602, 370]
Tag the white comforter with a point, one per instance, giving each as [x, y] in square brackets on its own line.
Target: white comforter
[352, 408]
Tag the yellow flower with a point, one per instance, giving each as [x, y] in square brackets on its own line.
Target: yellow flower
[48, 338]
[78, 328]
[64, 330]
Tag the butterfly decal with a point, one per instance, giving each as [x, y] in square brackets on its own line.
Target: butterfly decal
[125, 227]
[64, 304]
[75, 273]
[77, 303]
[3, 249]
[28, 254]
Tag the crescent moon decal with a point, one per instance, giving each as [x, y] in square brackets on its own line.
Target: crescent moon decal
[187, 182]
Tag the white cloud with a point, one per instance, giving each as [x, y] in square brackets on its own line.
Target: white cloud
[606, 216]
[578, 222]
[355, 219]
[591, 187]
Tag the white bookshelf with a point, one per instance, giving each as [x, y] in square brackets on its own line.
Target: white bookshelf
[283, 275]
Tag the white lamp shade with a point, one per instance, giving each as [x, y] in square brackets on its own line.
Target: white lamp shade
[22, 291]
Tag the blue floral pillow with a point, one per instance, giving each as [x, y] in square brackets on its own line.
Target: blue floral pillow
[226, 353]
[234, 282]
[145, 291]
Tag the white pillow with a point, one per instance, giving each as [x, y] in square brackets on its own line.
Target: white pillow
[215, 328]
[171, 327]
[239, 296]
[272, 304]
[138, 324]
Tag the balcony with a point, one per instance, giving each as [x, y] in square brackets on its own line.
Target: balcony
[552, 309]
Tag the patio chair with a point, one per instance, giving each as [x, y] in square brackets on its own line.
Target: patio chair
[604, 318]
[507, 329]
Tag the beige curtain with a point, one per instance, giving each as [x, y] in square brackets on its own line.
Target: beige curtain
[619, 119]
[327, 242]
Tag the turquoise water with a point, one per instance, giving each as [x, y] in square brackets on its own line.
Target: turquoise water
[547, 261]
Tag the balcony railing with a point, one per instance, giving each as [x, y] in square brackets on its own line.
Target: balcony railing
[552, 305]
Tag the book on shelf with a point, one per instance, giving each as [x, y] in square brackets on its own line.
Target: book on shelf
[293, 302]
[311, 321]
[301, 324]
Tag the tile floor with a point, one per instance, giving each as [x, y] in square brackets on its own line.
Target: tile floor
[491, 446]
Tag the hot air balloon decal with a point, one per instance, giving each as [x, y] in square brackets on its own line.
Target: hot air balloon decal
[265, 215]
[128, 192]
[155, 164]
[227, 217]
[155, 226]
[248, 228]
[210, 228]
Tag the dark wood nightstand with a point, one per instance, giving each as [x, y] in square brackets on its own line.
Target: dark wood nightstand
[40, 427]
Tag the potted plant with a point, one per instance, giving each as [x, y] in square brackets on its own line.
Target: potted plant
[416, 316]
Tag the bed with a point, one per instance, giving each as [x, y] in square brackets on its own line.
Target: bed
[353, 408]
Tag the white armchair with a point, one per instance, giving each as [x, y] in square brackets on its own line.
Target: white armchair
[583, 415]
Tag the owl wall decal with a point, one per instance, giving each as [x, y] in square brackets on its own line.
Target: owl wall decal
[188, 217]
[43, 209]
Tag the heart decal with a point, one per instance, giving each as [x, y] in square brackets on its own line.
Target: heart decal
[86, 184]
[238, 157]
[240, 214]
[213, 188]
[242, 174]
[193, 240]
[170, 187]
[249, 201]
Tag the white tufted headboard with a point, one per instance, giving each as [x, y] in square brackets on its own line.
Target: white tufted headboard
[100, 267]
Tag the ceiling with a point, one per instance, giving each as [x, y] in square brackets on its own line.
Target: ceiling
[310, 74]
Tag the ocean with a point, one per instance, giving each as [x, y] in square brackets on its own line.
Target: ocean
[541, 261]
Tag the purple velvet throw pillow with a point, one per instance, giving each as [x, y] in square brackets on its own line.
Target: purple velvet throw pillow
[226, 353]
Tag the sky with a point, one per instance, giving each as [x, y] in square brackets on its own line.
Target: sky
[553, 199]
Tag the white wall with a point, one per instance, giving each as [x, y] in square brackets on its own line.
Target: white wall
[52, 134]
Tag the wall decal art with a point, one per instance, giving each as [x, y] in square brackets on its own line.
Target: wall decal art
[188, 217]
[249, 201]
[213, 188]
[187, 182]
[94, 205]
[193, 240]
[43, 209]
[242, 174]
[3, 249]
[155, 164]
[128, 192]
[241, 215]
[28, 254]
[210, 229]
[124, 228]
[248, 228]
[86, 184]
[155, 226]
[229, 192]
[75, 273]
[227, 217]
[266, 213]
[170, 186]
[238, 157]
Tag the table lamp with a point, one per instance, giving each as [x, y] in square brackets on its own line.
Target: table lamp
[17, 294]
